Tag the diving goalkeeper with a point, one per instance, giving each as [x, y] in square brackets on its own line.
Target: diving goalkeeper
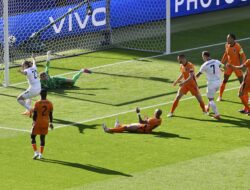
[48, 82]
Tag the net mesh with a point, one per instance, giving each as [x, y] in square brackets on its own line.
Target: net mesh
[139, 25]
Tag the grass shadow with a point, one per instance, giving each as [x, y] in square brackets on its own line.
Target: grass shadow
[81, 127]
[88, 167]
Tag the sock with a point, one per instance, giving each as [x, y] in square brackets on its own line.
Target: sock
[28, 103]
[175, 104]
[214, 108]
[22, 102]
[34, 147]
[76, 76]
[222, 88]
[202, 105]
[41, 149]
[244, 100]
[118, 129]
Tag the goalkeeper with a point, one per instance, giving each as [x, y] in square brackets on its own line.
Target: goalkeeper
[48, 82]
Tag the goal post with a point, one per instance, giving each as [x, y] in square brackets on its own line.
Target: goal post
[6, 43]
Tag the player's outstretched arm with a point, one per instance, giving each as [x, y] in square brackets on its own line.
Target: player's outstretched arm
[178, 80]
[191, 75]
[51, 120]
[198, 75]
[236, 67]
[137, 110]
[33, 59]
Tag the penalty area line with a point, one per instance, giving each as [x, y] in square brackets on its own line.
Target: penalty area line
[14, 129]
[130, 111]
[112, 115]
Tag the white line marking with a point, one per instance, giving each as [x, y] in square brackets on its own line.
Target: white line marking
[14, 129]
[140, 59]
[115, 114]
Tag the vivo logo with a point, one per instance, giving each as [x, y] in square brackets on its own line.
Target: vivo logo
[82, 22]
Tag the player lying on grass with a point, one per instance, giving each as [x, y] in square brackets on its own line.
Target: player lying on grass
[233, 55]
[211, 68]
[244, 86]
[29, 69]
[42, 120]
[49, 82]
[187, 83]
[144, 126]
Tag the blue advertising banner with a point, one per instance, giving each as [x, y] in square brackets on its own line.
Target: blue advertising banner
[123, 13]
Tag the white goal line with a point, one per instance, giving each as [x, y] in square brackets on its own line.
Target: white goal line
[140, 59]
[112, 115]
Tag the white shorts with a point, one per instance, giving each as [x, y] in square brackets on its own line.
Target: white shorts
[212, 88]
[30, 93]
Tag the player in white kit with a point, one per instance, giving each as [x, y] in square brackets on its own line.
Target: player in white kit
[213, 72]
[29, 69]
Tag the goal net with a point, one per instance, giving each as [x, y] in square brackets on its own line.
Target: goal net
[79, 26]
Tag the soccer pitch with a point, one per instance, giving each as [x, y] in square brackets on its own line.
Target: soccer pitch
[188, 151]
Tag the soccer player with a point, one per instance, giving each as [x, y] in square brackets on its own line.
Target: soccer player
[30, 70]
[233, 55]
[144, 126]
[49, 82]
[244, 86]
[211, 68]
[187, 84]
[42, 120]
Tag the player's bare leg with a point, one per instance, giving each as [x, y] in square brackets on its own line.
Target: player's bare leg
[129, 128]
[222, 87]
[202, 104]
[175, 103]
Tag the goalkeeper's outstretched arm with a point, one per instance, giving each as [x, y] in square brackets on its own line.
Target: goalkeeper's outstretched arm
[47, 63]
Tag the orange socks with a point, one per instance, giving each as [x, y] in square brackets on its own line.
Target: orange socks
[34, 147]
[202, 105]
[41, 149]
[222, 88]
[175, 104]
[244, 100]
[117, 129]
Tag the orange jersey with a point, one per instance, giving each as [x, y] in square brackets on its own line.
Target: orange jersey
[233, 54]
[43, 109]
[186, 70]
[152, 124]
[247, 64]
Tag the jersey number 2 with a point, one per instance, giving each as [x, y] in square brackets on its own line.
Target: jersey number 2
[44, 110]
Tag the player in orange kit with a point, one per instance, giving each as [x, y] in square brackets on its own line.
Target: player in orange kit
[244, 86]
[187, 84]
[144, 126]
[233, 55]
[42, 120]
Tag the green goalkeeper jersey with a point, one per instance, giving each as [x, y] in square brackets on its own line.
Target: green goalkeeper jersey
[54, 82]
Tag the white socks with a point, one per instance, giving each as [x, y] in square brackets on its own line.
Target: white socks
[214, 108]
[24, 104]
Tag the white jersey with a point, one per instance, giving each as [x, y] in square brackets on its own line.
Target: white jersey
[212, 70]
[32, 77]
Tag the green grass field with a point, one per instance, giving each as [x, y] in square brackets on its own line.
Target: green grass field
[188, 151]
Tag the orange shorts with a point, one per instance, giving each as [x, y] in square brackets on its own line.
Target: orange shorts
[36, 130]
[228, 71]
[245, 88]
[193, 89]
